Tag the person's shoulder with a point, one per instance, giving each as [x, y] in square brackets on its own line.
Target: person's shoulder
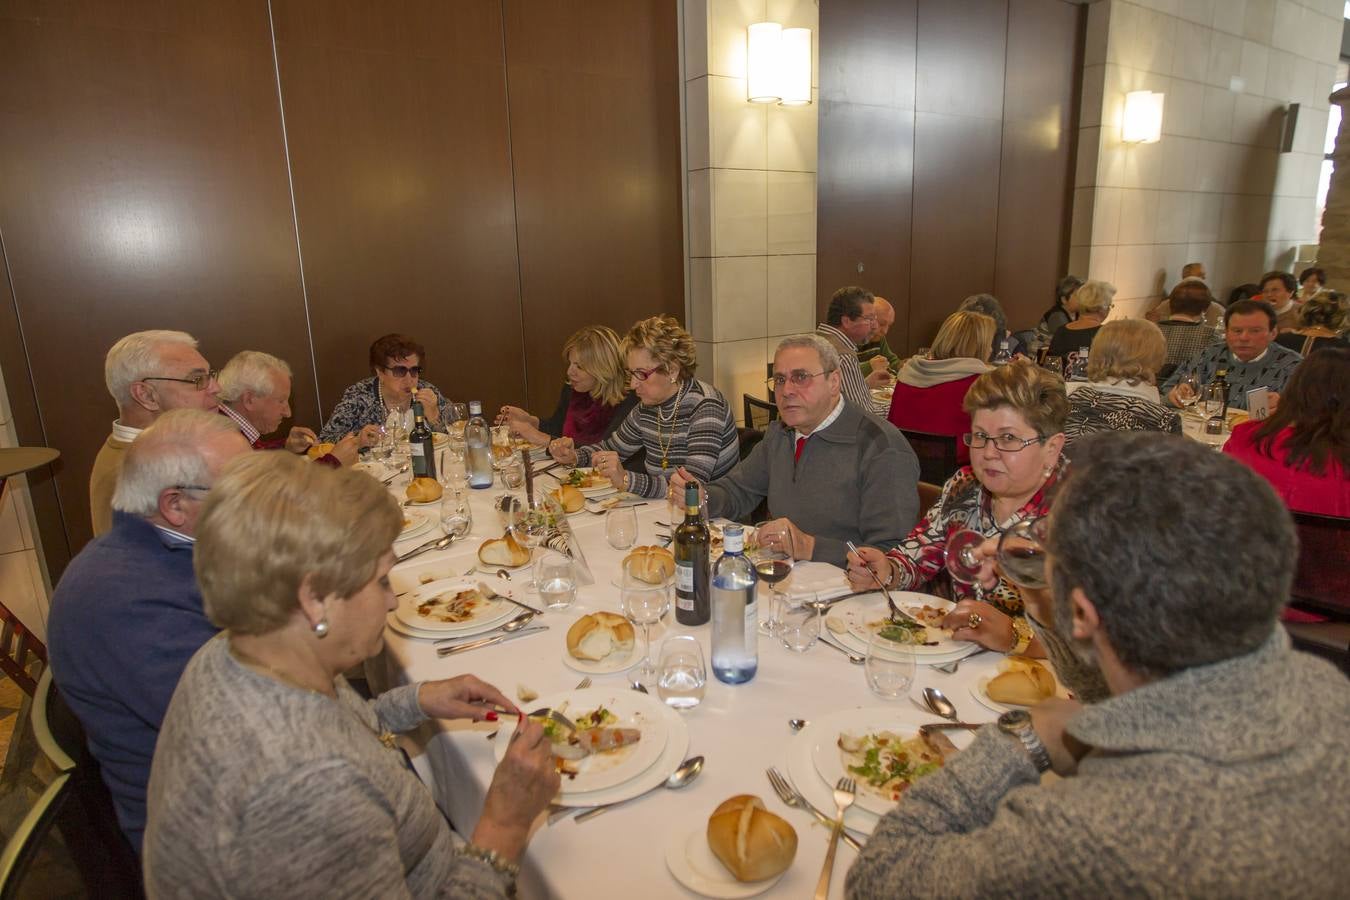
[360, 388]
[1285, 354]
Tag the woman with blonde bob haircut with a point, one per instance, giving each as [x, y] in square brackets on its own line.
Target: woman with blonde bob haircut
[1093, 300]
[271, 775]
[1121, 393]
[1017, 434]
[594, 400]
[679, 420]
[930, 390]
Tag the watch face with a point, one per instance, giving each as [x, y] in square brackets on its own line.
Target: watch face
[1014, 719]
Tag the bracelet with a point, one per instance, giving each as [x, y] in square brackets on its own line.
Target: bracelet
[895, 571]
[1022, 636]
[509, 870]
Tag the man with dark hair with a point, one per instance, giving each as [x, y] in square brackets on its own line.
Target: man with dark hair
[1186, 329]
[1247, 356]
[1216, 765]
[1277, 289]
[849, 321]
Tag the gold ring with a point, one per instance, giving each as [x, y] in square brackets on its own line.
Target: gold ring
[975, 620]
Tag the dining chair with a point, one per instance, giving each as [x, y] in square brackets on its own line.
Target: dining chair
[758, 413]
[20, 651]
[928, 495]
[31, 835]
[1322, 586]
[936, 453]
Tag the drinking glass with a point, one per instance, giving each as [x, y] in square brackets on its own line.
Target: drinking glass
[773, 562]
[799, 620]
[451, 469]
[512, 471]
[889, 667]
[621, 527]
[1188, 391]
[644, 604]
[1054, 364]
[1021, 553]
[556, 576]
[962, 561]
[509, 509]
[1214, 400]
[682, 675]
[459, 412]
[538, 518]
[456, 514]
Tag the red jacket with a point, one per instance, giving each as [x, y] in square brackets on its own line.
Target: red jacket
[1327, 494]
[936, 410]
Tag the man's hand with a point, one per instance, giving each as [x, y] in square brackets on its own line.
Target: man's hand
[300, 439]
[430, 408]
[862, 564]
[1272, 402]
[777, 532]
[878, 363]
[879, 379]
[1049, 718]
[345, 451]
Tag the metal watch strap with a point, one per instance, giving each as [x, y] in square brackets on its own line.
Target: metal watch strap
[1022, 636]
[1018, 724]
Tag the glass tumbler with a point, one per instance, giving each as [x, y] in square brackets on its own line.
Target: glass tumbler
[621, 527]
[889, 667]
[798, 620]
[681, 675]
[555, 575]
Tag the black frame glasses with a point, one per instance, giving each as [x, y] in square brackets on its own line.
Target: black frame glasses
[404, 371]
[198, 381]
[1003, 443]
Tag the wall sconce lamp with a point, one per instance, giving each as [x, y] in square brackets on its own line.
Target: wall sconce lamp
[778, 64]
[1142, 123]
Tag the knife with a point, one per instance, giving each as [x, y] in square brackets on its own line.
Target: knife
[493, 595]
[488, 642]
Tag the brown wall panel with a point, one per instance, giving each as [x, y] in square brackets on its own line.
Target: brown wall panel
[145, 187]
[867, 52]
[959, 69]
[396, 123]
[595, 143]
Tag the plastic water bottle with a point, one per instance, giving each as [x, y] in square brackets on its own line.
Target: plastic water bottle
[735, 615]
[1004, 355]
[478, 447]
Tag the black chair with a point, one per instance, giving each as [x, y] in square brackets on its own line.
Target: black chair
[936, 453]
[758, 413]
[31, 837]
[747, 439]
[1322, 586]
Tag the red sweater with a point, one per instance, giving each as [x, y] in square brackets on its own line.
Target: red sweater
[1327, 494]
[936, 410]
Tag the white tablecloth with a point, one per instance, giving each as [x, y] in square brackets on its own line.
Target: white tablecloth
[740, 730]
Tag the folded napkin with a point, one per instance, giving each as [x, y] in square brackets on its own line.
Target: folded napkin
[825, 580]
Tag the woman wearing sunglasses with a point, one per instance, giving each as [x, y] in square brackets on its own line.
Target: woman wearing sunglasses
[1017, 435]
[396, 363]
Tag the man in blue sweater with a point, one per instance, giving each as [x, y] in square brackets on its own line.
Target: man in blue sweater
[127, 615]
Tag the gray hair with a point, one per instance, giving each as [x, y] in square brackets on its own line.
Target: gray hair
[250, 370]
[1095, 296]
[988, 305]
[829, 357]
[166, 454]
[1171, 587]
[137, 356]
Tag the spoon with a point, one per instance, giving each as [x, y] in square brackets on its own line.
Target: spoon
[937, 703]
[797, 724]
[502, 573]
[682, 776]
[852, 657]
[514, 625]
[428, 547]
[639, 687]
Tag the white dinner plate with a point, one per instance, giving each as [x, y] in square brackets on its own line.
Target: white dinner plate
[615, 662]
[850, 642]
[419, 522]
[598, 491]
[980, 691]
[485, 617]
[801, 771]
[857, 612]
[694, 865]
[605, 774]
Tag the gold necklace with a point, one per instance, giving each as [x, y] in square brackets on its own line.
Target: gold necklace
[661, 422]
[257, 665]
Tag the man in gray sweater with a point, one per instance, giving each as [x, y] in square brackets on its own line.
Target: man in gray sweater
[830, 471]
[1217, 765]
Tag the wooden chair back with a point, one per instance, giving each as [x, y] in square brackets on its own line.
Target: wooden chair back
[936, 453]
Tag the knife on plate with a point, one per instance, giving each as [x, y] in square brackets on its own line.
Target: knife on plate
[488, 642]
[493, 595]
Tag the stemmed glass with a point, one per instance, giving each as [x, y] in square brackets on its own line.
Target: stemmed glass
[962, 561]
[1021, 553]
[621, 527]
[644, 604]
[773, 562]
[1054, 364]
[1188, 391]
[539, 517]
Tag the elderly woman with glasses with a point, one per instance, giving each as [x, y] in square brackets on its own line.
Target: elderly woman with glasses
[1017, 435]
[679, 420]
[396, 365]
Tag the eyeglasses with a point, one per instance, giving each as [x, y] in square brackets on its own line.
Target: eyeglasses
[798, 379]
[191, 487]
[641, 374]
[403, 371]
[1006, 443]
[198, 381]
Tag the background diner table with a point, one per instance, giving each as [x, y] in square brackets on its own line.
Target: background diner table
[740, 730]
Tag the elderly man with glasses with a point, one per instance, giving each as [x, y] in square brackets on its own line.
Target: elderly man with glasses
[127, 614]
[147, 373]
[831, 472]
[850, 321]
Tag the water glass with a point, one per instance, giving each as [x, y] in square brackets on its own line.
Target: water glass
[454, 475]
[682, 675]
[621, 527]
[1214, 400]
[889, 667]
[512, 472]
[798, 620]
[556, 576]
[456, 514]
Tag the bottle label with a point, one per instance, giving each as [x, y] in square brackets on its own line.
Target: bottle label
[684, 581]
[684, 603]
[733, 540]
[417, 449]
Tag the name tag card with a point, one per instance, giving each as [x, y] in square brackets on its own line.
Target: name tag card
[1258, 403]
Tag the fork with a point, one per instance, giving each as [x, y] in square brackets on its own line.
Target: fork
[583, 683]
[789, 795]
[843, 799]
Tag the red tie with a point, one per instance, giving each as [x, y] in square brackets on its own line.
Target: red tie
[797, 454]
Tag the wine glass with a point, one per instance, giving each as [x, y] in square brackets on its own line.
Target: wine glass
[644, 604]
[962, 561]
[1188, 391]
[538, 518]
[1021, 553]
[889, 667]
[556, 576]
[511, 470]
[1054, 364]
[773, 559]
[621, 527]
[456, 514]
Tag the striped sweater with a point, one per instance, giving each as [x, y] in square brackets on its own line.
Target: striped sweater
[702, 438]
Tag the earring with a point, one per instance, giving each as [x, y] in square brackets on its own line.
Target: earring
[321, 628]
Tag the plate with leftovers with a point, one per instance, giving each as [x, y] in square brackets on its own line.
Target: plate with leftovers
[415, 522]
[693, 864]
[454, 606]
[620, 735]
[861, 617]
[590, 482]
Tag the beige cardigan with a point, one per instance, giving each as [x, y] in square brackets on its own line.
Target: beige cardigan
[103, 482]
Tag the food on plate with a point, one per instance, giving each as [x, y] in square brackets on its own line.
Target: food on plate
[594, 735]
[1023, 682]
[650, 563]
[424, 490]
[317, 450]
[884, 763]
[906, 632]
[503, 551]
[502, 451]
[585, 478]
[836, 625]
[525, 694]
[598, 635]
[753, 843]
[452, 607]
[570, 498]
[931, 616]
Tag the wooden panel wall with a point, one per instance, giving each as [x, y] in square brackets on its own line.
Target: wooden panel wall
[149, 152]
[946, 155]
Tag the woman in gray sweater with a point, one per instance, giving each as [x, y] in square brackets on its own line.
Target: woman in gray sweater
[272, 777]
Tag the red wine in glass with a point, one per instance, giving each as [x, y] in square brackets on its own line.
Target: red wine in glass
[1021, 553]
[773, 571]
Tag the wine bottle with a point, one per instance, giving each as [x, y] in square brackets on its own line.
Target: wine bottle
[692, 541]
[1004, 354]
[735, 615]
[422, 443]
[478, 448]
[1221, 381]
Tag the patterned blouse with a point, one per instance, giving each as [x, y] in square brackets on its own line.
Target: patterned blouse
[964, 504]
[361, 405]
[701, 437]
[1092, 410]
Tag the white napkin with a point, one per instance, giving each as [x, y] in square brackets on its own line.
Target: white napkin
[825, 580]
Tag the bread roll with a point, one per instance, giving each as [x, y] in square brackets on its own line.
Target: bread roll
[571, 499]
[650, 563]
[1025, 682]
[503, 551]
[317, 450]
[424, 490]
[753, 843]
[597, 635]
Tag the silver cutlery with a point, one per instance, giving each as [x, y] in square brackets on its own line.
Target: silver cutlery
[843, 799]
[493, 595]
[896, 614]
[639, 687]
[686, 773]
[439, 543]
[951, 667]
[937, 703]
[510, 627]
[792, 797]
[852, 657]
[488, 642]
[797, 724]
[583, 684]
[397, 472]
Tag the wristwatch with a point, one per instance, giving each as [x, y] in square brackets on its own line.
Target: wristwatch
[1017, 723]
[1022, 636]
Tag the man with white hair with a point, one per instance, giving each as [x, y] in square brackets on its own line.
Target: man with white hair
[147, 373]
[876, 356]
[127, 614]
[255, 394]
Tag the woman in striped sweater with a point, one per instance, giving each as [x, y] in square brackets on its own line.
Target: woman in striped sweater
[679, 420]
